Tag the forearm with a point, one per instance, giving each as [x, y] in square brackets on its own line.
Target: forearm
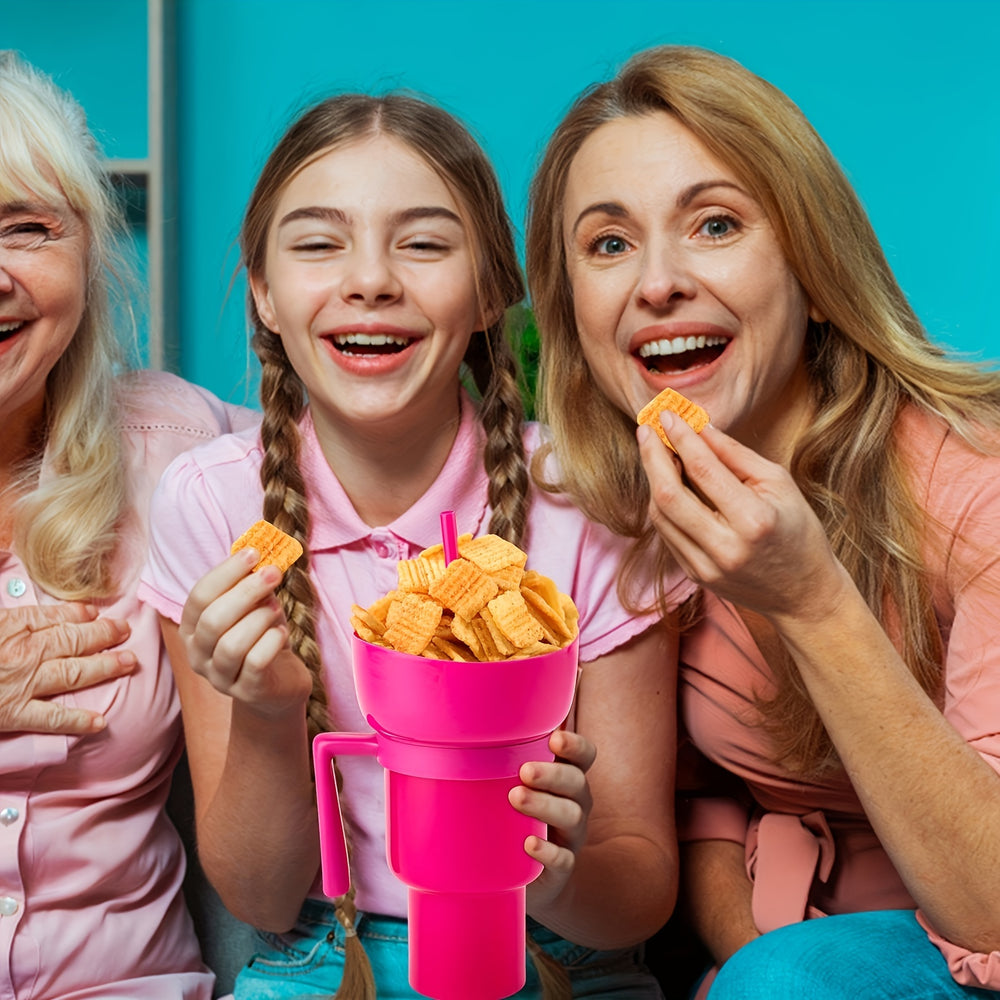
[717, 895]
[621, 892]
[932, 800]
[258, 839]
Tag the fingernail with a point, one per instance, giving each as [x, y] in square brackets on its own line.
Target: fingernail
[126, 658]
[250, 556]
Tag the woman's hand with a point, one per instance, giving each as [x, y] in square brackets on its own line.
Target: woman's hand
[556, 793]
[739, 525]
[48, 651]
[235, 636]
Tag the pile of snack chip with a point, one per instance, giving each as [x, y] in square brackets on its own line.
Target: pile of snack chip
[484, 605]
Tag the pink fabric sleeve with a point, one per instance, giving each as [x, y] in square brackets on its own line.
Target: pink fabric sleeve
[191, 531]
[964, 500]
[711, 818]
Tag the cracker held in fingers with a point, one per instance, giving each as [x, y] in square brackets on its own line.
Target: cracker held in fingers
[670, 399]
[275, 547]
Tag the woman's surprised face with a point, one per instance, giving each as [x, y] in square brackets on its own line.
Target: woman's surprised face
[370, 283]
[43, 286]
[678, 279]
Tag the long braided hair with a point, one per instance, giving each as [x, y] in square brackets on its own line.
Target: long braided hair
[490, 365]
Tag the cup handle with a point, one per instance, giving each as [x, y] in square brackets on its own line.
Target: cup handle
[332, 842]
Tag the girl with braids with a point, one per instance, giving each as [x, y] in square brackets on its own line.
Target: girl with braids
[380, 263]
[90, 728]
[840, 515]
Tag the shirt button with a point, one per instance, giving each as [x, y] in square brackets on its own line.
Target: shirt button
[8, 906]
[9, 815]
[381, 550]
[16, 586]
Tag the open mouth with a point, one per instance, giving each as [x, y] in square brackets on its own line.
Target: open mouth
[7, 330]
[679, 354]
[369, 344]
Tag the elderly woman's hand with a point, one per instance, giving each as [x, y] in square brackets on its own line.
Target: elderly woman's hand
[739, 525]
[48, 651]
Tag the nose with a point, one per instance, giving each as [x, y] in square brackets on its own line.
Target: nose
[370, 277]
[6, 279]
[666, 277]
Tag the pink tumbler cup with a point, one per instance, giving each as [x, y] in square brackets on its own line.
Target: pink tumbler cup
[452, 737]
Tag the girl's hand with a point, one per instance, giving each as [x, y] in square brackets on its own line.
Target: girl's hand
[235, 636]
[46, 651]
[739, 526]
[556, 793]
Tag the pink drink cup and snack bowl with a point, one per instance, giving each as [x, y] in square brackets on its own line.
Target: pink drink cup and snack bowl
[452, 736]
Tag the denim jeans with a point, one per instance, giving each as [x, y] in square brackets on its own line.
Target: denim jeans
[879, 955]
[308, 962]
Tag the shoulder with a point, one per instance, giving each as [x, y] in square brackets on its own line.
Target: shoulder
[943, 466]
[163, 417]
[159, 403]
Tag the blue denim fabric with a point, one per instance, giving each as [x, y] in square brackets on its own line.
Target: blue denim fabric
[307, 963]
[880, 955]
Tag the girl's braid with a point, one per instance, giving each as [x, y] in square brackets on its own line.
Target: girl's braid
[283, 400]
[493, 365]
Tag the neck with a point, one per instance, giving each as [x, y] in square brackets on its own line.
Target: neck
[385, 468]
[779, 428]
[22, 440]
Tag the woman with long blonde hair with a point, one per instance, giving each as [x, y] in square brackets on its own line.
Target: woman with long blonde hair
[90, 730]
[690, 230]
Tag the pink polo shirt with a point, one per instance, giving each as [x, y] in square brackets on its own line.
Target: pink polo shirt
[90, 867]
[809, 846]
[209, 497]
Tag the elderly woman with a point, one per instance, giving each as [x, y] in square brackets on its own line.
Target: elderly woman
[840, 516]
[90, 867]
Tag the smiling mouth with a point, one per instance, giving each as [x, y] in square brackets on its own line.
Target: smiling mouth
[367, 344]
[7, 330]
[679, 354]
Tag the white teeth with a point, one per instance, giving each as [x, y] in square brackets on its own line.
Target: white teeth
[9, 327]
[678, 345]
[371, 339]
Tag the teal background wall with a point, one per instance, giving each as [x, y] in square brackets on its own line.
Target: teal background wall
[905, 92]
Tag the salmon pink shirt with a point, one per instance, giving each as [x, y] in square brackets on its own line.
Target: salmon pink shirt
[809, 847]
[210, 496]
[90, 866]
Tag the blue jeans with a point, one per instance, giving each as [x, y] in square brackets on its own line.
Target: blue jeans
[308, 962]
[880, 955]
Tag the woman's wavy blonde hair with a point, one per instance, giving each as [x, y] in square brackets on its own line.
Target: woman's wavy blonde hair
[66, 524]
[448, 148]
[868, 359]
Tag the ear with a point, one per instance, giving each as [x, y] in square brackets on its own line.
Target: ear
[815, 314]
[262, 300]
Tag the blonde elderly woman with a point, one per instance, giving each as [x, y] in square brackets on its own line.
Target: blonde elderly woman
[90, 867]
[839, 516]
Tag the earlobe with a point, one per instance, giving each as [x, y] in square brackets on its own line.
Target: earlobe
[262, 300]
[815, 314]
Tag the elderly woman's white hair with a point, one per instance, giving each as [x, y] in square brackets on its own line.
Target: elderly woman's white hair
[69, 508]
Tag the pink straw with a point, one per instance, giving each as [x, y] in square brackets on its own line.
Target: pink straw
[449, 536]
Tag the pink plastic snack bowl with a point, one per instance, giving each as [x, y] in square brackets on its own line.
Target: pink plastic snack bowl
[452, 737]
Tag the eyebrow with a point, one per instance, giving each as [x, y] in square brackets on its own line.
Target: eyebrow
[30, 208]
[325, 213]
[616, 210]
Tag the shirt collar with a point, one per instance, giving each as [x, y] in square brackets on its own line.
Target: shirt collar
[461, 486]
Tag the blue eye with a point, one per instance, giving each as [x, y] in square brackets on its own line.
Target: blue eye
[718, 226]
[610, 245]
